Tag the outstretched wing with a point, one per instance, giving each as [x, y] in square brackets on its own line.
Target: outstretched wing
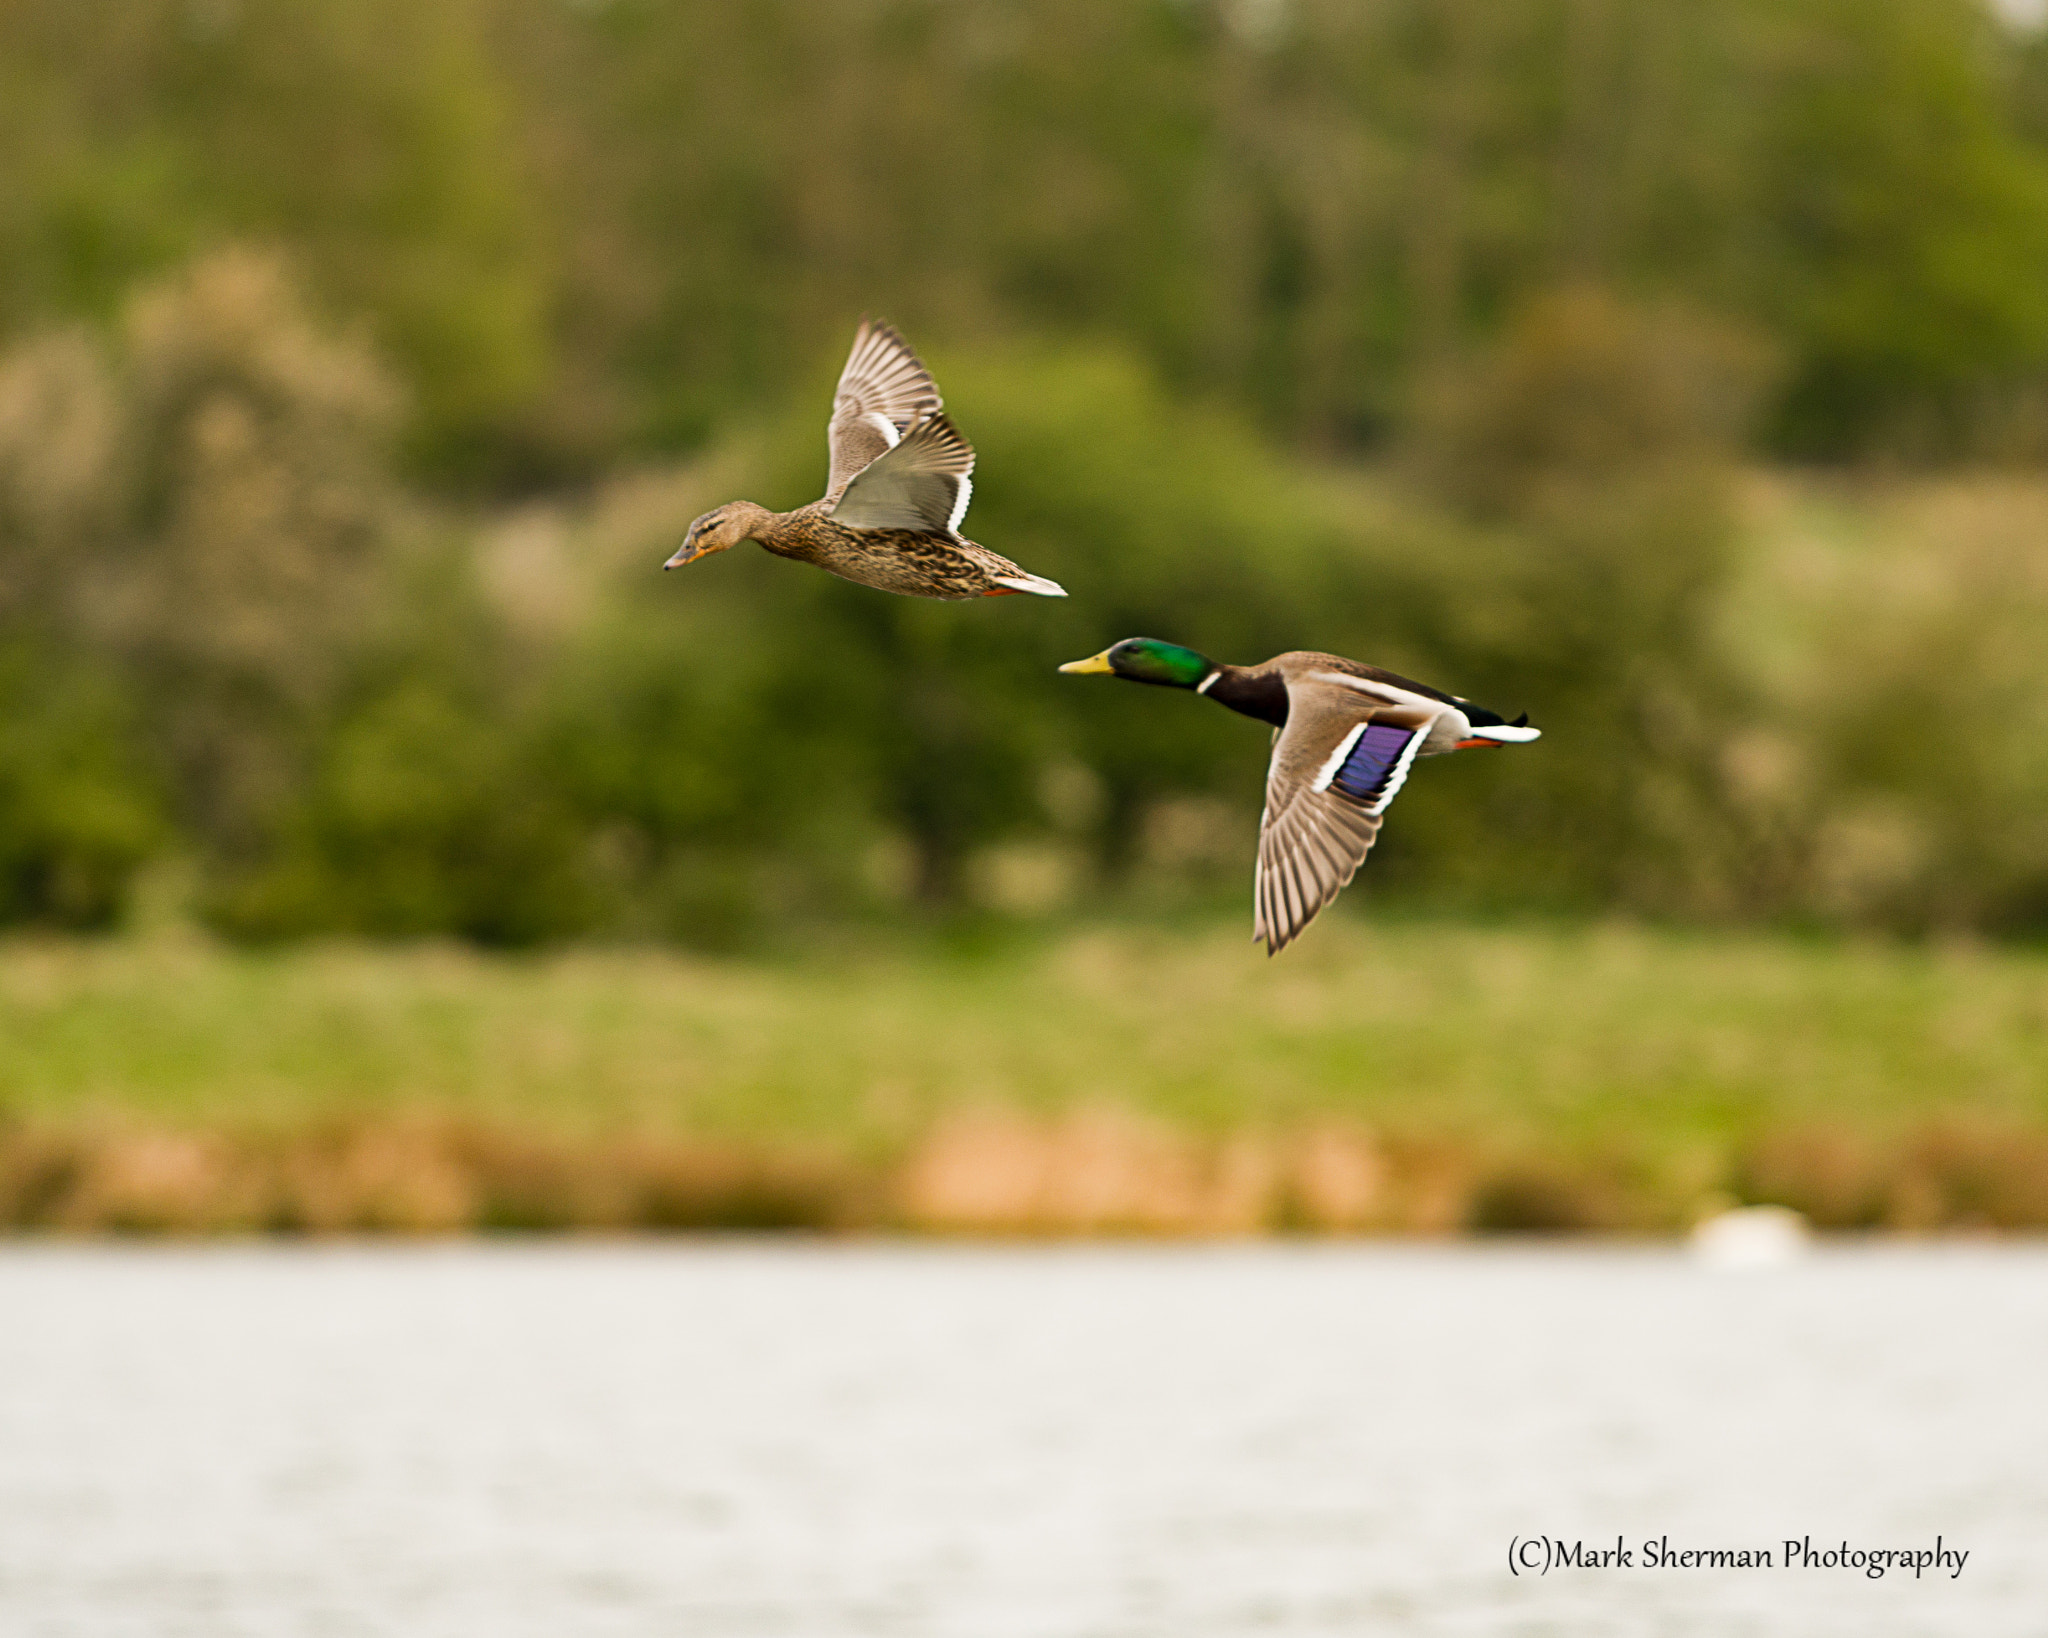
[1336, 766]
[883, 392]
[921, 483]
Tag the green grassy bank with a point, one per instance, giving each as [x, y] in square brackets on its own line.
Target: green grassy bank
[1402, 1077]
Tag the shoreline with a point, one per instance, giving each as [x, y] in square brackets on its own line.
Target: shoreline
[1094, 1173]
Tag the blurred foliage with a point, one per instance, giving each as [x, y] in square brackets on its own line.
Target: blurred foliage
[234, 640]
[1892, 771]
[359, 362]
[577, 225]
[196, 518]
[1595, 447]
[373, 137]
[78, 812]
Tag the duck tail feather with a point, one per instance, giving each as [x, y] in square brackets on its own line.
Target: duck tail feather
[1036, 585]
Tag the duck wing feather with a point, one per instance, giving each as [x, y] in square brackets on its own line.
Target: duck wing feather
[883, 392]
[1336, 766]
[922, 483]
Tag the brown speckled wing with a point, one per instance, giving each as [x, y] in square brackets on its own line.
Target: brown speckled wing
[883, 392]
[923, 483]
[1312, 840]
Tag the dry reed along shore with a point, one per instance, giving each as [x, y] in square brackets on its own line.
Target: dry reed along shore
[1405, 1079]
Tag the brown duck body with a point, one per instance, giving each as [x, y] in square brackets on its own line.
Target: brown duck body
[898, 484]
[908, 562]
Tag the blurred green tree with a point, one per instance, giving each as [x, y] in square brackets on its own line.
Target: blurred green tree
[79, 811]
[577, 227]
[1593, 446]
[1546, 247]
[375, 138]
[1909, 219]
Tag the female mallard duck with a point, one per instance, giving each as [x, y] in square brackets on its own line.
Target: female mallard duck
[1345, 736]
[900, 479]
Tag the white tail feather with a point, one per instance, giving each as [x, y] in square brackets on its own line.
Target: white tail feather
[1034, 584]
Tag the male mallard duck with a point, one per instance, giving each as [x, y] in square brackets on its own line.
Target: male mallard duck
[1344, 738]
[900, 479]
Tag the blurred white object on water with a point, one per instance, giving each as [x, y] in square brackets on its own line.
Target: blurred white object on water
[1751, 1237]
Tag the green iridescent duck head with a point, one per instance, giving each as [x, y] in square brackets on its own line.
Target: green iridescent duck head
[1146, 660]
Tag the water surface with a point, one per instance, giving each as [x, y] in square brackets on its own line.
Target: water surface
[810, 1441]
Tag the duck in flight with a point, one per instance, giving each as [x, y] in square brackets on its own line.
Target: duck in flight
[1345, 736]
[900, 479]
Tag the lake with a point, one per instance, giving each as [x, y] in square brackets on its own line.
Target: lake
[808, 1440]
